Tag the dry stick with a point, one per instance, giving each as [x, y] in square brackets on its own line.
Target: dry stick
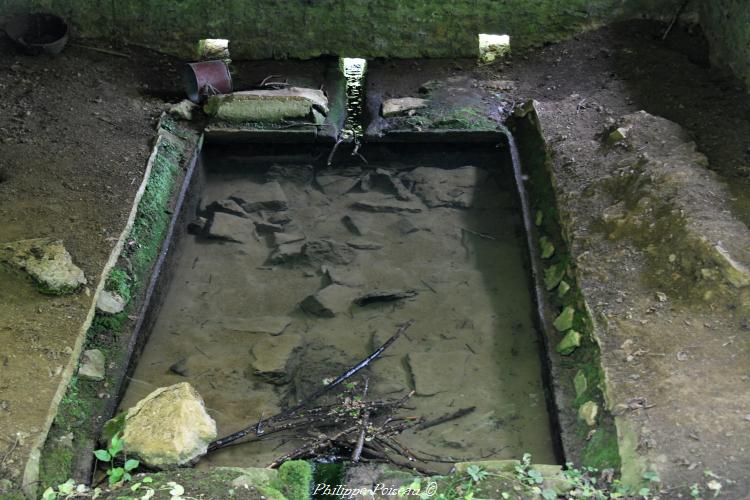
[477, 233]
[103, 51]
[214, 445]
[10, 451]
[308, 449]
[339, 140]
[263, 82]
[446, 418]
[674, 19]
[365, 420]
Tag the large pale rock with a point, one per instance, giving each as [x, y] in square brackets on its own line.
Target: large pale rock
[110, 302]
[270, 106]
[272, 356]
[402, 105]
[45, 260]
[267, 196]
[439, 187]
[169, 427]
[330, 301]
[92, 365]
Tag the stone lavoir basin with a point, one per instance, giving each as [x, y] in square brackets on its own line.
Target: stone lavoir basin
[293, 271]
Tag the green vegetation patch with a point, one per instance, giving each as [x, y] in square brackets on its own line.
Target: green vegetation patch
[85, 399]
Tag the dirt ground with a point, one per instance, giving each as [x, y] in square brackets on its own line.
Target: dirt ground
[584, 85]
[686, 359]
[75, 134]
[74, 138]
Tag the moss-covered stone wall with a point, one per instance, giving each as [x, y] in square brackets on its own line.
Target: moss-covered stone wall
[362, 28]
[727, 27]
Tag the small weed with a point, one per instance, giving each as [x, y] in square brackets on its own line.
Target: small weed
[116, 474]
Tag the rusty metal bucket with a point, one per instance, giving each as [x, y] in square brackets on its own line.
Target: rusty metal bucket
[38, 33]
[206, 78]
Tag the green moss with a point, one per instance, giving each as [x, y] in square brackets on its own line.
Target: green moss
[152, 219]
[602, 451]
[296, 477]
[81, 402]
[331, 473]
[440, 119]
[118, 281]
[54, 469]
[45, 289]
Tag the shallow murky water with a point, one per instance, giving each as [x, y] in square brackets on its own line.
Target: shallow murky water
[473, 342]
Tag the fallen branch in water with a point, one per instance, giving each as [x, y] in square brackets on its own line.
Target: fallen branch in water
[446, 418]
[266, 424]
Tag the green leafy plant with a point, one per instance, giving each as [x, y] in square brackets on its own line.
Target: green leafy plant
[115, 448]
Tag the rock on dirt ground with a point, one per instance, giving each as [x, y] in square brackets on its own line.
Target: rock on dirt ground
[47, 261]
[75, 134]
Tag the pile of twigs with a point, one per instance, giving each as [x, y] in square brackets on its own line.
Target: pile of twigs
[353, 428]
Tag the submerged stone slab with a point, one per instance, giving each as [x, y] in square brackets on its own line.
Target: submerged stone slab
[272, 325]
[47, 261]
[228, 206]
[344, 276]
[328, 252]
[279, 238]
[355, 224]
[439, 187]
[169, 427]
[253, 197]
[384, 296]
[330, 301]
[402, 105]
[287, 253]
[435, 372]
[272, 355]
[364, 245]
[231, 228]
[336, 185]
[387, 205]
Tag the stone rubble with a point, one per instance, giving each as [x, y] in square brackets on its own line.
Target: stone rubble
[92, 365]
[47, 261]
[109, 302]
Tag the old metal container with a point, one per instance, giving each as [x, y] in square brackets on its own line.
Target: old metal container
[38, 33]
[206, 78]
